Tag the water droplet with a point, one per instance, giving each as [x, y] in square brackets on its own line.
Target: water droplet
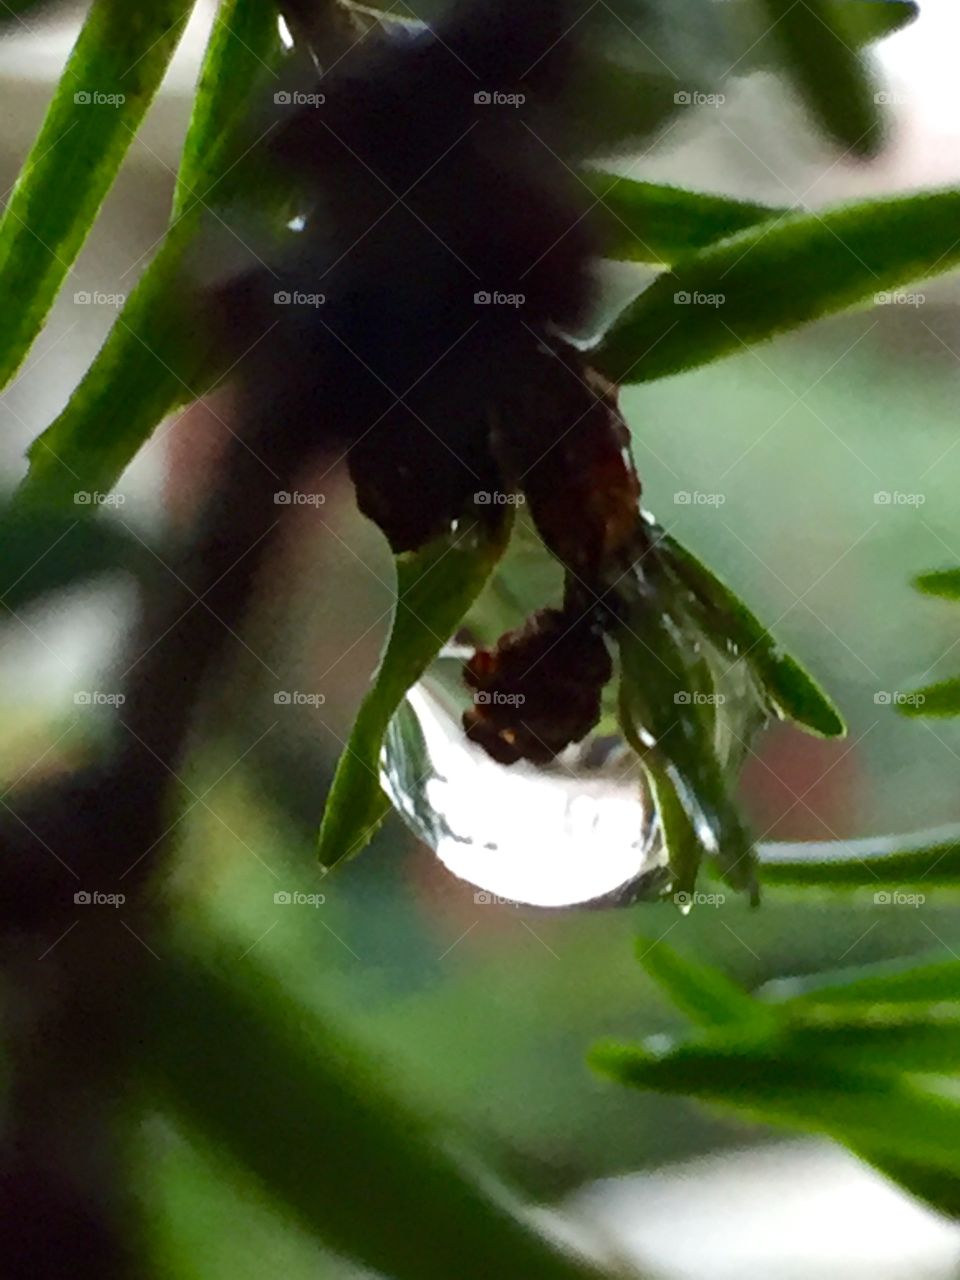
[582, 830]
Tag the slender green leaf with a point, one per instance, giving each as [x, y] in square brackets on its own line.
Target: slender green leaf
[941, 582]
[309, 1118]
[890, 982]
[703, 993]
[863, 20]
[936, 1187]
[940, 699]
[891, 1116]
[667, 709]
[867, 1035]
[794, 693]
[861, 1022]
[650, 222]
[879, 865]
[435, 587]
[754, 45]
[42, 552]
[777, 276]
[160, 353]
[110, 78]
[892, 1038]
[866, 20]
[817, 49]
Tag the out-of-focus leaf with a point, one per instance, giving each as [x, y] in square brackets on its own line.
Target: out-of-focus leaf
[14, 9]
[889, 1038]
[941, 582]
[651, 222]
[309, 1118]
[886, 983]
[110, 78]
[777, 276]
[943, 697]
[880, 865]
[792, 691]
[435, 587]
[885, 1114]
[703, 993]
[882, 1020]
[937, 1187]
[42, 552]
[160, 353]
[862, 20]
[866, 20]
[940, 699]
[817, 48]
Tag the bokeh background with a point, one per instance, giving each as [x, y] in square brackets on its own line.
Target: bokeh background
[483, 1013]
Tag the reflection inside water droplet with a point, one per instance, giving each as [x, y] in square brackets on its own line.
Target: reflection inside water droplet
[581, 830]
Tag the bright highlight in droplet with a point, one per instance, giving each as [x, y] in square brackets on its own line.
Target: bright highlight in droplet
[549, 837]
